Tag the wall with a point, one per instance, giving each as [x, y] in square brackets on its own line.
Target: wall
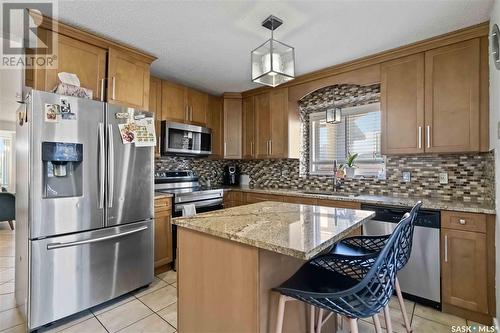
[495, 143]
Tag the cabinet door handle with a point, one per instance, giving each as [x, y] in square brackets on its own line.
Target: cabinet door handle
[419, 137]
[445, 248]
[191, 113]
[251, 148]
[428, 136]
[270, 147]
[114, 86]
[186, 111]
[461, 221]
[225, 146]
[102, 90]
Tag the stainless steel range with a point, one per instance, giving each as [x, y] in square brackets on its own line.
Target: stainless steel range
[186, 188]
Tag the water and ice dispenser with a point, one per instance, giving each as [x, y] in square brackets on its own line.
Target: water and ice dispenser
[62, 169]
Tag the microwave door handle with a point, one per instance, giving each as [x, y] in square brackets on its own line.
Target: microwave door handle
[111, 166]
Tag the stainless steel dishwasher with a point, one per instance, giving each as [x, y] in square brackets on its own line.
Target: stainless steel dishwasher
[420, 279]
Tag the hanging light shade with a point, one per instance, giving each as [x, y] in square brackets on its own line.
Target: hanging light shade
[273, 62]
[333, 115]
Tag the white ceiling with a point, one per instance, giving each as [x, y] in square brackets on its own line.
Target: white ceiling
[207, 44]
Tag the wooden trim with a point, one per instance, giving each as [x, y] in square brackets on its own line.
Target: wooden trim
[490, 253]
[475, 31]
[484, 96]
[234, 95]
[89, 37]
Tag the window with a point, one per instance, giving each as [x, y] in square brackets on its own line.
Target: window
[358, 132]
[6, 160]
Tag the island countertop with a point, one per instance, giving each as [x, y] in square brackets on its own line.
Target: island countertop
[300, 231]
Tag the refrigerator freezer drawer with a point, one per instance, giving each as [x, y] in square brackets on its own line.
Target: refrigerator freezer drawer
[75, 272]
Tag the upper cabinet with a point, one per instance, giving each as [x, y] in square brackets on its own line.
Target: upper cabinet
[262, 125]
[452, 97]
[402, 103]
[248, 127]
[215, 122]
[114, 72]
[434, 102]
[232, 126]
[183, 104]
[128, 80]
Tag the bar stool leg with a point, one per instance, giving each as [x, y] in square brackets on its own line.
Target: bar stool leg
[281, 314]
[388, 323]
[312, 319]
[353, 323]
[320, 321]
[402, 306]
[376, 322]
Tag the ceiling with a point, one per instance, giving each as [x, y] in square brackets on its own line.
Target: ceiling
[207, 44]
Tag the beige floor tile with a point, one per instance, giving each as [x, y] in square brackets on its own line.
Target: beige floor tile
[7, 288]
[396, 320]
[91, 325]
[10, 318]
[124, 315]
[168, 276]
[157, 284]
[7, 301]
[170, 314]
[150, 324]
[174, 285]
[67, 322]
[409, 305]
[7, 262]
[423, 325]
[109, 305]
[7, 275]
[160, 298]
[16, 329]
[438, 316]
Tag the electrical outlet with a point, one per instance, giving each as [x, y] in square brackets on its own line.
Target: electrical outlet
[443, 178]
[406, 176]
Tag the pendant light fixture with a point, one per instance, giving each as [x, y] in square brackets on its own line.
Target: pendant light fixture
[273, 62]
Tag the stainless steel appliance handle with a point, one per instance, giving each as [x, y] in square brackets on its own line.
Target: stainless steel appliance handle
[53, 246]
[102, 90]
[101, 164]
[419, 137]
[445, 248]
[114, 85]
[428, 136]
[111, 166]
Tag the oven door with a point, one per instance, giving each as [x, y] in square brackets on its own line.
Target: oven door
[184, 139]
[201, 206]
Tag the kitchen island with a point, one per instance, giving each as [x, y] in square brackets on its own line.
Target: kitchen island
[229, 260]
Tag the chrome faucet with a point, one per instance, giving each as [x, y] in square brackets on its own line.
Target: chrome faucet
[337, 183]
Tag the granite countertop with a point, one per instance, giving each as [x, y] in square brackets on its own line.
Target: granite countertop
[159, 195]
[300, 231]
[428, 203]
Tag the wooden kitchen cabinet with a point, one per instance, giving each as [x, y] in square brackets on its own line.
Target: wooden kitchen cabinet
[197, 107]
[163, 232]
[402, 105]
[452, 97]
[467, 265]
[232, 126]
[215, 122]
[251, 198]
[233, 199]
[173, 102]
[128, 80]
[248, 128]
[155, 107]
[85, 60]
[339, 204]
[262, 125]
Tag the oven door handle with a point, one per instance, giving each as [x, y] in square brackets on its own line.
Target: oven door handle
[200, 204]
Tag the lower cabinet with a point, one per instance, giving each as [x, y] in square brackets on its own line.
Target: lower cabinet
[163, 232]
[467, 265]
[251, 198]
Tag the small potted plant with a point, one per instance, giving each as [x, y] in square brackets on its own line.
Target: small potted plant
[349, 165]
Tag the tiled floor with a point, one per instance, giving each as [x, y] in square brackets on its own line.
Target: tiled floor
[154, 309]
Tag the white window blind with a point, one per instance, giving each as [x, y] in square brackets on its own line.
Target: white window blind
[358, 132]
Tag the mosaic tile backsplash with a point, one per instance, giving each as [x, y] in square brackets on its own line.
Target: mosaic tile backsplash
[470, 176]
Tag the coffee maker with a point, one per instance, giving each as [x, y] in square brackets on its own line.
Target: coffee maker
[231, 175]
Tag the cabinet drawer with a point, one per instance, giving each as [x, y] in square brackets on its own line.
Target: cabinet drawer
[259, 197]
[463, 221]
[300, 200]
[339, 204]
[163, 204]
[233, 196]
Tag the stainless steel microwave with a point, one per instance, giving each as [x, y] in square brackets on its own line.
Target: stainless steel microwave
[185, 140]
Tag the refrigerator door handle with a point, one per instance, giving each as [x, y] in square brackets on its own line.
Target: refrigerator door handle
[111, 166]
[101, 165]
[53, 246]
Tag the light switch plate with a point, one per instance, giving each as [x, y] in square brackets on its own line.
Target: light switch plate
[443, 178]
[406, 176]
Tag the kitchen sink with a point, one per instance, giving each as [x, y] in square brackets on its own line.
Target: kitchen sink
[337, 194]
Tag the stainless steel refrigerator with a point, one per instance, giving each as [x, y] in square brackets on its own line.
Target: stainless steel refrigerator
[84, 206]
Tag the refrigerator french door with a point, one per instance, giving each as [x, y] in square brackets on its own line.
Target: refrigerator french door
[84, 207]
